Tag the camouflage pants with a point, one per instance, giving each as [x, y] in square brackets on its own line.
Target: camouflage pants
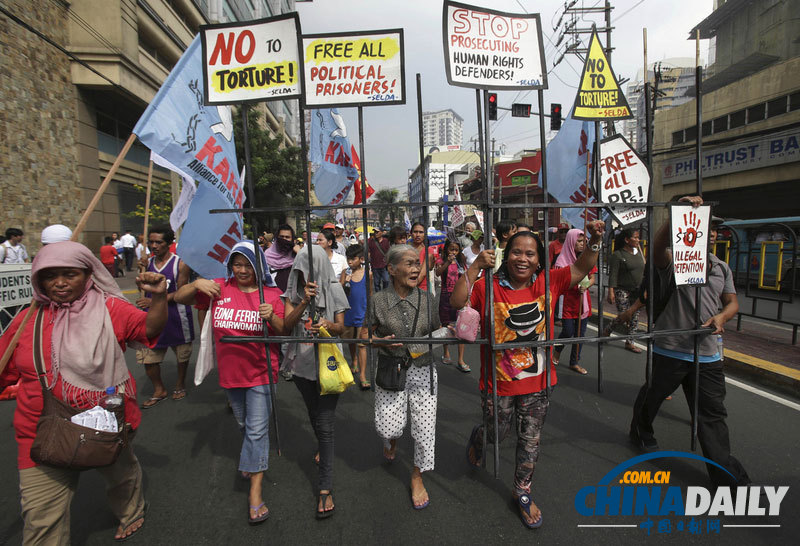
[531, 410]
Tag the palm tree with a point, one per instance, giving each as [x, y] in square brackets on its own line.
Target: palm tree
[386, 197]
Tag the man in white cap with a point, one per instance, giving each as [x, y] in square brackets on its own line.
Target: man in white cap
[338, 232]
[56, 233]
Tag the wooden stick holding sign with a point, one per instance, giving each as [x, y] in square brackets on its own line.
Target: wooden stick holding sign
[75, 234]
[145, 235]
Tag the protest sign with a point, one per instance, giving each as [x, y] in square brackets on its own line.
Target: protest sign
[689, 228]
[599, 96]
[624, 178]
[354, 68]
[15, 285]
[492, 49]
[252, 61]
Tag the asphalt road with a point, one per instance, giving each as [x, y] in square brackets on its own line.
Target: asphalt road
[189, 451]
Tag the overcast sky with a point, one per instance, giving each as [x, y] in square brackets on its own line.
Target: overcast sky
[391, 135]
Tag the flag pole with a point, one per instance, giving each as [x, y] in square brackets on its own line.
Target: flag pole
[140, 267]
[248, 175]
[75, 234]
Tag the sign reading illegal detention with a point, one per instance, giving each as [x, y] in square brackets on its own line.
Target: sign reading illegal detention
[689, 228]
[255, 61]
[624, 178]
[354, 69]
[599, 96]
[491, 49]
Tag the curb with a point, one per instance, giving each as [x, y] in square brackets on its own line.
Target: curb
[782, 383]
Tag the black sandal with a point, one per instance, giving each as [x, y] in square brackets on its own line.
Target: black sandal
[322, 499]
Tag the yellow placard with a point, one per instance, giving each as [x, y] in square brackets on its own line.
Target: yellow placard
[599, 96]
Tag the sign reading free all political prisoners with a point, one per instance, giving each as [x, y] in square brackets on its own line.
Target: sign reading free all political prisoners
[252, 61]
[491, 49]
[624, 178]
[354, 68]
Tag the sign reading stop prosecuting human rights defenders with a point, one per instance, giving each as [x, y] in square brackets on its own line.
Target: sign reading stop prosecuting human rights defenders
[15, 285]
[491, 49]
[253, 61]
[599, 96]
[624, 178]
[354, 68]
[689, 227]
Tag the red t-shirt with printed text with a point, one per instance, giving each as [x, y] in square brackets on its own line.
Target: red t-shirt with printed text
[519, 316]
[235, 313]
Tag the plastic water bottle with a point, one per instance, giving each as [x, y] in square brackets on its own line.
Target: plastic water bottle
[113, 402]
[719, 347]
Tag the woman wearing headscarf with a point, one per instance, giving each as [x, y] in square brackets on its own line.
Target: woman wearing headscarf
[575, 305]
[519, 300]
[86, 324]
[402, 310]
[280, 255]
[330, 303]
[243, 369]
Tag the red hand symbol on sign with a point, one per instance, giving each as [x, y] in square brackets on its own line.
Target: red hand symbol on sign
[692, 232]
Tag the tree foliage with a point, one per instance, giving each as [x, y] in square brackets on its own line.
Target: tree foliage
[160, 202]
[387, 196]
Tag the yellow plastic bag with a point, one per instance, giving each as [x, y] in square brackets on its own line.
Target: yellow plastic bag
[334, 372]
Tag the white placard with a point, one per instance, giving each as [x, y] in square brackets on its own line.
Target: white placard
[354, 69]
[689, 228]
[252, 61]
[15, 285]
[492, 49]
[624, 178]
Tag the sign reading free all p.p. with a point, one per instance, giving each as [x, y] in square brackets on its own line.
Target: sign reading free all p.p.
[354, 69]
[491, 49]
[252, 61]
[624, 178]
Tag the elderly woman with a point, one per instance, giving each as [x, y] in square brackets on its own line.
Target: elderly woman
[330, 303]
[86, 325]
[519, 316]
[244, 371]
[395, 312]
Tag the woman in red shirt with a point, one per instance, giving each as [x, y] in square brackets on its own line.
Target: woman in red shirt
[86, 325]
[519, 316]
[244, 370]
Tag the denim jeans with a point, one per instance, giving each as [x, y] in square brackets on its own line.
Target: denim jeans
[251, 408]
[322, 414]
[380, 278]
[570, 329]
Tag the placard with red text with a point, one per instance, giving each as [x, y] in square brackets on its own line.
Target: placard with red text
[491, 49]
[624, 178]
[689, 228]
[253, 61]
[354, 69]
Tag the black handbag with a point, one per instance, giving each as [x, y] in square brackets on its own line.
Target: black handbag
[391, 372]
[61, 443]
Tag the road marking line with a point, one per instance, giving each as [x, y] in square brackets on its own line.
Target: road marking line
[745, 386]
[764, 394]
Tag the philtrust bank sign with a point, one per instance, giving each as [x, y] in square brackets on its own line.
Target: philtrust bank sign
[769, 150]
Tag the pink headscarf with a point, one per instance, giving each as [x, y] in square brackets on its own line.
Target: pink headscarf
[85, 349]
[568, 256]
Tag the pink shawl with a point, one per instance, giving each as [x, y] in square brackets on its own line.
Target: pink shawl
[85, 350]
[567, 258]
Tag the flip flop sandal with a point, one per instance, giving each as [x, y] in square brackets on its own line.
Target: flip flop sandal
[322, 498]
[464, 368]
[447, 361]
[579, 369]
[144, 513]
[179, 394]
[366, 385]
[524, 502]
[632, 348]
[420, 506]
[258, 519]
[152, 401]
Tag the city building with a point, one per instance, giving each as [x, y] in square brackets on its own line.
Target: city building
[442, 130]
[751, 109]
[432, 175]
[77, 77]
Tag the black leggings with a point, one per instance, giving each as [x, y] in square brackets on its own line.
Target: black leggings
[322, 414]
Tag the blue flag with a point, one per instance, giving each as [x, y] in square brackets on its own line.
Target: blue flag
[198, 141]
[331, 152]
[567, 155]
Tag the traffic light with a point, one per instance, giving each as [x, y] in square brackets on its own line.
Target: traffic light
[520, 110]
[555, 117]
[493, 106]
